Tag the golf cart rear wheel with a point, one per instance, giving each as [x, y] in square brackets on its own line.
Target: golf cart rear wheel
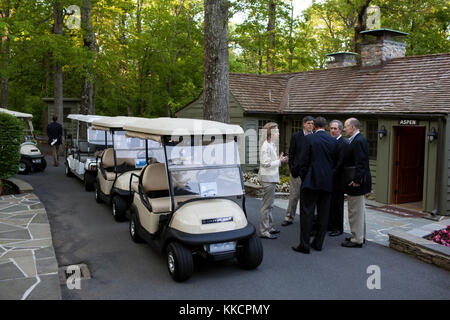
[119, 208]
[24, 166]
[180, 262]
[250, 255]
[134, 233]
[89, 182]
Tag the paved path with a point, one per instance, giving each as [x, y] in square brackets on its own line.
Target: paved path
[85, 232]
[378, 221]
[28, 267]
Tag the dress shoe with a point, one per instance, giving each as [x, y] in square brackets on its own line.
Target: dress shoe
[270, 236]
[350, 238]
[301, 249]
[349, 244]
[315, 247]
[335, 233]
[274, 231]
[286, 223]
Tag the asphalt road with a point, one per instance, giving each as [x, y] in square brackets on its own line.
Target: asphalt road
[85, 232]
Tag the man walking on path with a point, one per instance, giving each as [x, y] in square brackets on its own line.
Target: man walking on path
[336, 219]
[54, 133]
[358, 182]
[296, 145]
[317, 161]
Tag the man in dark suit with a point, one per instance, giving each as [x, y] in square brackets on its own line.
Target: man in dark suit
[296, 145]
[357, 158]
[317, 161]
[54, 133]
[336, 219]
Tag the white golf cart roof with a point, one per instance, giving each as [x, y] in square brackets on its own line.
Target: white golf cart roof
[111, 123]
[88, 118]
[155, 128]
[17, 114]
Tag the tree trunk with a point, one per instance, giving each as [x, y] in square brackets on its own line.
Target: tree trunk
[58, 74]
[5, 58]
[5, 78]
[87, 93]
[360, 26]
[216, 62]
[271, 34]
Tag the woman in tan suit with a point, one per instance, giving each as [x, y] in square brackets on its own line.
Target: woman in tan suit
[269, 176]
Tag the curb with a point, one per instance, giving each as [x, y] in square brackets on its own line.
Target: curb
[28, 265]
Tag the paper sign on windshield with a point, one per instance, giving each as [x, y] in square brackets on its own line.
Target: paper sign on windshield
[208, 189]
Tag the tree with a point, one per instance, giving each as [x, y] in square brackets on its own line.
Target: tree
[216, 65]
[87, 87]
[57, 65]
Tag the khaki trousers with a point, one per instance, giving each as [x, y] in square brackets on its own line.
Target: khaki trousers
[294, 197]
[357, 217]
[55, 154]
[265, 215]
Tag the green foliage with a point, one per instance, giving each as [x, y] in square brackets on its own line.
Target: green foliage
[11, 134]
[148, 57]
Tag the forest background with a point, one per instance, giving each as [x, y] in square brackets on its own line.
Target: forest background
[145, 57]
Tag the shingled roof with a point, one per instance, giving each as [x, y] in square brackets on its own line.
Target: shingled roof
[407, 85]
[258, 93]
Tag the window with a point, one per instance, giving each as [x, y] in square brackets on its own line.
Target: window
[297, 125]
[372, 138]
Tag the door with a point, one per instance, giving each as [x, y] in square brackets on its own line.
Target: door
[408, 164]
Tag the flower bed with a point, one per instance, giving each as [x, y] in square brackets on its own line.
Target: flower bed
[440, 236]
[283, 186]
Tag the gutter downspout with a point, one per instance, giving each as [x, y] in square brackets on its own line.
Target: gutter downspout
[437, 187]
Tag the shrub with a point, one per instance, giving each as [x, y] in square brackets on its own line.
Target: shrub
[11, 135]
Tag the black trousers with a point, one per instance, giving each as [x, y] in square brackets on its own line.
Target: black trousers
[310, 199]
[336, 221]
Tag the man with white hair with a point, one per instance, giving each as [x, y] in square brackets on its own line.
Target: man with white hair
[358, 182]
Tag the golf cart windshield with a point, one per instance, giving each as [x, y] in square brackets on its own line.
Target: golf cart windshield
[131, 152]
[208, 168]
[97, 137]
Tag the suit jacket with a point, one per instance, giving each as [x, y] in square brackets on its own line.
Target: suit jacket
[295, 148]
[338, 179]
[54, 131]
[269, 163]
[317, 162]
[357, 156]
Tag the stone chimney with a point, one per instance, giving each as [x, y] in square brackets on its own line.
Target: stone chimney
[379, 47]
[341, 59]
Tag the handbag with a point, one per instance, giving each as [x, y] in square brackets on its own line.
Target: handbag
[349, 174]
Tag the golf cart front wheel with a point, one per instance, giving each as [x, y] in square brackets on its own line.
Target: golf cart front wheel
[180, 262]
[42, 166]
[68, 172]
[250, 255]
[134, 233]
[98, 199]
[24, 166]
[119, 208]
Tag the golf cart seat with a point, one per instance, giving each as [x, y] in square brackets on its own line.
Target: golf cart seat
[156, 186]
[83, 150]
[108, 163]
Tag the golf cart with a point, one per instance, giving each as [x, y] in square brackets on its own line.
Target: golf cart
[193, 202]
[31, 157]
[117, 164]
[81, 156]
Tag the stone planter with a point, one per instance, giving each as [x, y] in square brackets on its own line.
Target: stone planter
[413, 243]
